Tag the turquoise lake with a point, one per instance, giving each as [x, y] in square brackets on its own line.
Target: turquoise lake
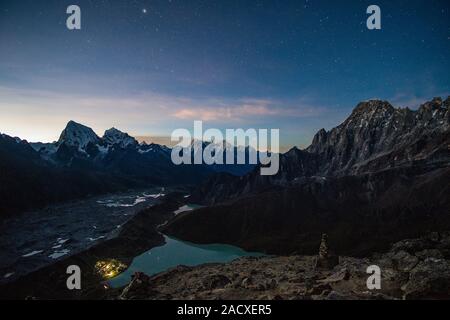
[175, 252]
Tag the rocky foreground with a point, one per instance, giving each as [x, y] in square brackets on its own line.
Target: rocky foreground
[411, 269]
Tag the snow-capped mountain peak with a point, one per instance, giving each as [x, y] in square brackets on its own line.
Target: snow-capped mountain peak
[77, 135]
[114, 136]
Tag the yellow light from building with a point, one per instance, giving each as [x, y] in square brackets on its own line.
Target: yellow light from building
[109, 268]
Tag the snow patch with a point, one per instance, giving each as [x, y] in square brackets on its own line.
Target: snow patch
[45, 148]
[112, 203]
[32, 253]
[95, 239]
[57, 254]
[145, 151]
[61, 240]
[184, 208]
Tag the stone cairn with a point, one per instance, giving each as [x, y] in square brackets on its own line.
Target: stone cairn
[325, 260]
[323, 249]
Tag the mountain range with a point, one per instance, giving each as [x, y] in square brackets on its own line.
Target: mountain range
[81, 164]
[381, 176]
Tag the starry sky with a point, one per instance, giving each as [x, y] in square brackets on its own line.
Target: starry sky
[150, 66]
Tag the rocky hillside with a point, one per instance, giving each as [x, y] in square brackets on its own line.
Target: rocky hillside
[411, 269]
[360, 213]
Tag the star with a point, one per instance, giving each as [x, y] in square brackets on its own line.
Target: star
[144, 10]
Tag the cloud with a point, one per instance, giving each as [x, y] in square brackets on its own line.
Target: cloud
[245, 109]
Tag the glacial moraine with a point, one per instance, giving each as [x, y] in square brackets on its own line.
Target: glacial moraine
[35, 239]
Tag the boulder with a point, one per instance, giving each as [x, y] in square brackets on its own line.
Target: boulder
[215, 281]
[340, 275]
[430, 279]
[403, 261]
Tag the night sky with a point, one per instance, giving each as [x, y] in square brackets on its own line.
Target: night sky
[148, 67]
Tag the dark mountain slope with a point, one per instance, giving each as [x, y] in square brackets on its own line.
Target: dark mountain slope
[360, 213]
